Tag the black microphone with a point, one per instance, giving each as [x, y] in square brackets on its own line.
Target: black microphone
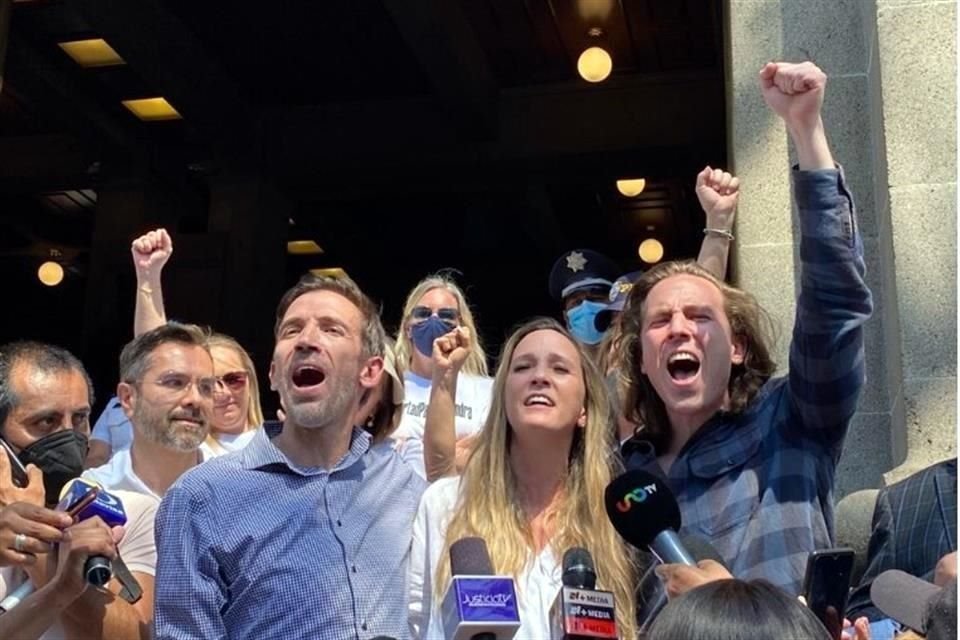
[651, 594]
[478, 605]
[644, 512]
[580, 612]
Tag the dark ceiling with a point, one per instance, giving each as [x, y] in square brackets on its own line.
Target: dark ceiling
[409, 136]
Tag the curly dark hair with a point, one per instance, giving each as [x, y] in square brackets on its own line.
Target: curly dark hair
[749, 324]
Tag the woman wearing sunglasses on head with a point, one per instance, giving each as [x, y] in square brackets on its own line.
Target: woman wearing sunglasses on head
[532, 489]
[236, 399]
[436, 308]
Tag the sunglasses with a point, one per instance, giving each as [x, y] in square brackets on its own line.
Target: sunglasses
[235, 380]
[448, 314]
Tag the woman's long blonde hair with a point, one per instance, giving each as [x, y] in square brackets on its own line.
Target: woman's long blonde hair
[476, 363]
[488, 505]
[254, 413]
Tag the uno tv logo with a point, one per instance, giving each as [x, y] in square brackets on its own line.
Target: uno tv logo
[638, 495]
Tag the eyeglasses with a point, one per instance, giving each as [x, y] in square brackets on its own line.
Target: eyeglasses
[447, 314]
[176, 385]
[235, 380]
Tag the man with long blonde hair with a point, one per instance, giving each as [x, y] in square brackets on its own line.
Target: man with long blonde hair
[752, 458]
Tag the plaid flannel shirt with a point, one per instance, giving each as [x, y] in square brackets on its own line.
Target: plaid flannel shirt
[759, 485]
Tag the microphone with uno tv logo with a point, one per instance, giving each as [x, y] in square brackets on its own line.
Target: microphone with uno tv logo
[644, 512]
[580, 612]
[478, 605]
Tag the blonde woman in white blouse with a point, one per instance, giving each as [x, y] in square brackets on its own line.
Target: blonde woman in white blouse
[532, 488]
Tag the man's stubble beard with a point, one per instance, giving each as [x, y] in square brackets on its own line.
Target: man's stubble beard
[158, 429]
[331, 411]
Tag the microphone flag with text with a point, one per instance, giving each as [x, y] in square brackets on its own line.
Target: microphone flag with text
[478, 605]
[580, 612]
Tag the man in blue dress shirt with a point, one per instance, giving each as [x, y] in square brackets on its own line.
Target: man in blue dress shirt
[306, 532]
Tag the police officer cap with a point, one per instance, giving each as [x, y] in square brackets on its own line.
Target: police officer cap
[581, 269]
[619, 293]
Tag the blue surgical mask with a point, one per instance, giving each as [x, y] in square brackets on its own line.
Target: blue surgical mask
[424, 333]
[580, 319]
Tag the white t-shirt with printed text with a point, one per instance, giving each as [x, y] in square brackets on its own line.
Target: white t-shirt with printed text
[472, 405]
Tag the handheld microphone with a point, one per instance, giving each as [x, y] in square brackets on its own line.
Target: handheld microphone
[644, 512]
[580, 612]
[651, 594]
[83, 499]
[478, 605]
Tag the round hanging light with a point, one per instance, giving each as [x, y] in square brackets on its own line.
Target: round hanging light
[631, 187]
[651, 251]
[50, 273]
[594, 64]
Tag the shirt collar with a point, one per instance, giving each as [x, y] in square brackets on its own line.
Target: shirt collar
[261, 452]
[716, 430]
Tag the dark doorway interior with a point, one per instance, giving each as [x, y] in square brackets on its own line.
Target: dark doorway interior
[402, 139]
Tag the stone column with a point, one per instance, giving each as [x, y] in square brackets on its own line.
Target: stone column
[839, 36]
[913, 98]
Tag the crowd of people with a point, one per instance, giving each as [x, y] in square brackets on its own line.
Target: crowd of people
[338, 519]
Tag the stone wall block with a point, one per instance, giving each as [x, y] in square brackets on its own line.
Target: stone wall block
[866, 453]
[918, 55]
[924, 242]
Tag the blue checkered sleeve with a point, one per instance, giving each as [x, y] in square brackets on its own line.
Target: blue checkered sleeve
[188, 582]
[826, 354]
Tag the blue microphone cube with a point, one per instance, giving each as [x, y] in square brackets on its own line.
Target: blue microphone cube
[480, 604]
[105, 505]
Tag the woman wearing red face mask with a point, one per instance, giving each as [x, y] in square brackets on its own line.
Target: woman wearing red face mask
[435, 314]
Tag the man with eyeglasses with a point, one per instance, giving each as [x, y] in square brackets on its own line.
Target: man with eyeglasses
[166, 389]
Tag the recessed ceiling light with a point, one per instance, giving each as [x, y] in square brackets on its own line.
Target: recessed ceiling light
[152, 109]
[303, 248]
[92, 53]
[331, 272]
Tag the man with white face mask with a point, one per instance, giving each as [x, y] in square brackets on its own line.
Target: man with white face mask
[305, 533]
